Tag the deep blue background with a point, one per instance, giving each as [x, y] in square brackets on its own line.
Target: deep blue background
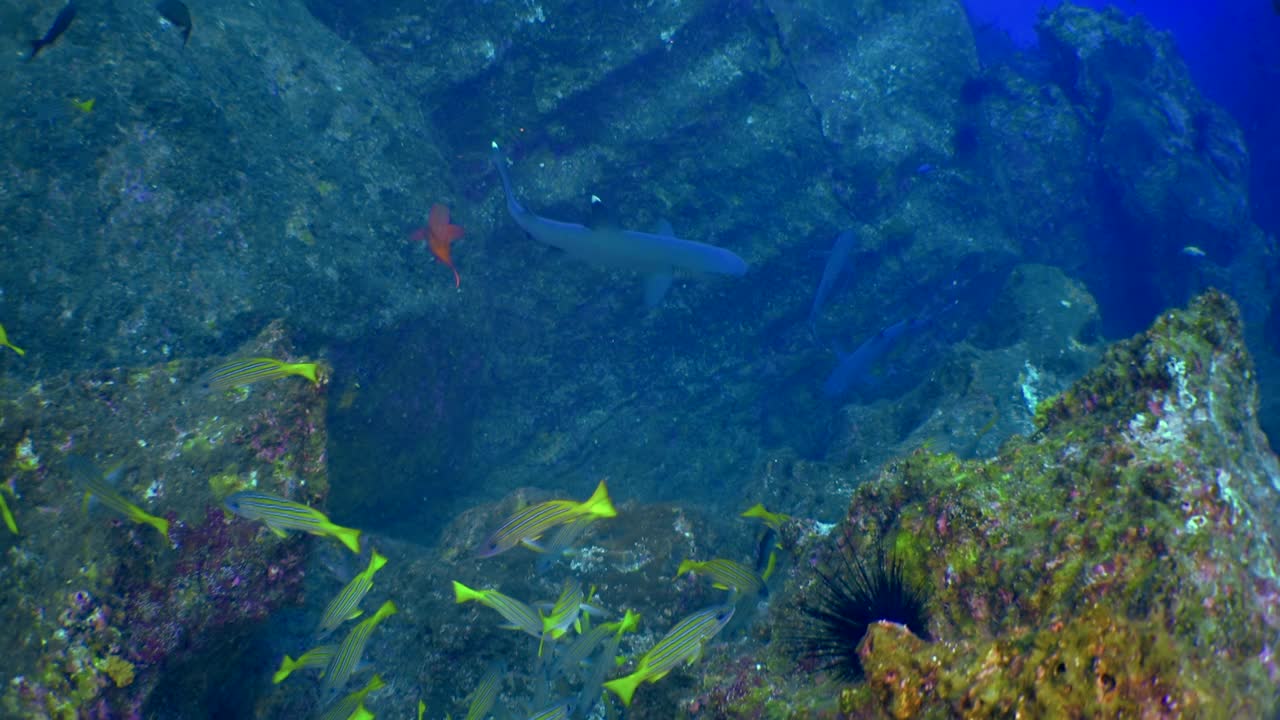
[1232, 48]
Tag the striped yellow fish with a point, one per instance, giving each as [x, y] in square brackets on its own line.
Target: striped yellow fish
[725, 574]
[486, 693]
[561, 543]
[283, 515]
[346, 605]
[351, 706]
[772, 519]
[530, 523]
[313, 659]
[585, 644]
[4, 342]
[238, 373]
[8, 516]
[563, 615]
[593, 679]
[519, 615]
[680, 646]
[345, 660]
[97, 485]
[559, 711]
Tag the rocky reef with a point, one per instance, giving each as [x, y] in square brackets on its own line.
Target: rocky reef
[99, 612]
[1118, 561]
[273, 166]
[755, 125]
[208, 182]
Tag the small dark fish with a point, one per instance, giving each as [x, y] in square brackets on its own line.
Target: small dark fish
[766, 544]
[59, 26]
[176, 12]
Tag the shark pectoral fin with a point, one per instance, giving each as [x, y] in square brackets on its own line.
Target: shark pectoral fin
[655, 286]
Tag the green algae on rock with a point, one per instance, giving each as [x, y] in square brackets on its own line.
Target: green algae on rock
[1116, 562]
[98, 613]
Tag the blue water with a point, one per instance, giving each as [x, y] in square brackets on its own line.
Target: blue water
[1230, 48]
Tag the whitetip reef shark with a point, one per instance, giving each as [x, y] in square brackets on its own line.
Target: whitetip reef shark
[657, 254]
[854, 369]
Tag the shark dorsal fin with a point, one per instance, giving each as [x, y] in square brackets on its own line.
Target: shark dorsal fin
[602, 215]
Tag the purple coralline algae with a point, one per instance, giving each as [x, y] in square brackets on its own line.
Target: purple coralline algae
[222, 576]
[1117, 562]
[97, 612]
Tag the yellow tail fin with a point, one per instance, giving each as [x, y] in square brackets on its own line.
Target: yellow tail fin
[624, 687]
[599, 503]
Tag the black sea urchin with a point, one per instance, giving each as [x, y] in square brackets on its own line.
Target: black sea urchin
[852, 594]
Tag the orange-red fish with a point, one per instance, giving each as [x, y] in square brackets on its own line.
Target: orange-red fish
[439, 235]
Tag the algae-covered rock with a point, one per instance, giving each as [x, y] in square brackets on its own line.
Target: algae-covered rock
[1168, 170]
[264, 169]
[1171, 152]
[883, 103]
[1118, 562]
[1115, 562]
[97, 612]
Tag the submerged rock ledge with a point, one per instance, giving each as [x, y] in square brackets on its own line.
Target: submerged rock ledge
[1119, 562]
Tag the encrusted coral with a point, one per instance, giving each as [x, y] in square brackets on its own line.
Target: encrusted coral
[144, 608]
[117, 668]
[1117, 563]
